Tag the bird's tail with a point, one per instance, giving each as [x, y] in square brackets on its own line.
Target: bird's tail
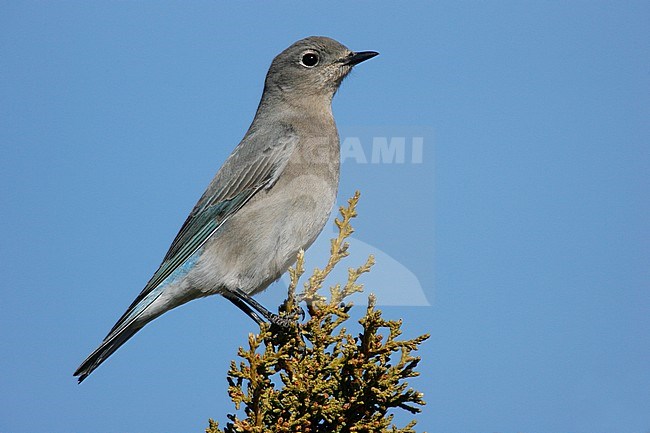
[110, 344]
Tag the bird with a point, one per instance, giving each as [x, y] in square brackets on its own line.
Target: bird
[269, 200]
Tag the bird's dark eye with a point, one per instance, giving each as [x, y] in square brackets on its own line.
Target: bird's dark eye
[309, 59]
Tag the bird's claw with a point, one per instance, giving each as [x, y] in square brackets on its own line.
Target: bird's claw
[280, 322]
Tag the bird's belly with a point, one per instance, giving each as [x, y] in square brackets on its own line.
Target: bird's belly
[255, 246]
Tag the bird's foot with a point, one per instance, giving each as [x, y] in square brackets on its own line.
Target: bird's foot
[279, 321]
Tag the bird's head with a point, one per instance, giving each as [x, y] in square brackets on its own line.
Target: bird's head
[312, 67]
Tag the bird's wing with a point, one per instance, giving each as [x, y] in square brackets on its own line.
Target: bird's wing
[249, 169]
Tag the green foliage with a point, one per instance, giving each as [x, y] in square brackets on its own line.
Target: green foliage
[315, 376]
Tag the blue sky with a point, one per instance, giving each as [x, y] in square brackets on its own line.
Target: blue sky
[524, 225]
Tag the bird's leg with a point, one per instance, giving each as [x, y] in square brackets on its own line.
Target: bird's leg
[252, 303]
[243, 306]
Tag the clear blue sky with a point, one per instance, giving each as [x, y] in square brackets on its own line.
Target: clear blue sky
[525, 225]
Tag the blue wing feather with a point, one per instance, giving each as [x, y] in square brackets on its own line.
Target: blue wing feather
[248, 170]
[200, 228]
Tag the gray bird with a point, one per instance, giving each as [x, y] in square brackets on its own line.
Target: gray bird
[271, 198]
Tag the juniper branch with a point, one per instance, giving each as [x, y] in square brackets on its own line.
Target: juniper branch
[316, 377]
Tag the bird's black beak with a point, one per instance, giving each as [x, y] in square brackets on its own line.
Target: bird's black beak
[359, 57]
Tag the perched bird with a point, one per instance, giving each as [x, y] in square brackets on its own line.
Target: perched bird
[271, 198]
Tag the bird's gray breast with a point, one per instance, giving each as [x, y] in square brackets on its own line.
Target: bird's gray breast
[255, 246]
